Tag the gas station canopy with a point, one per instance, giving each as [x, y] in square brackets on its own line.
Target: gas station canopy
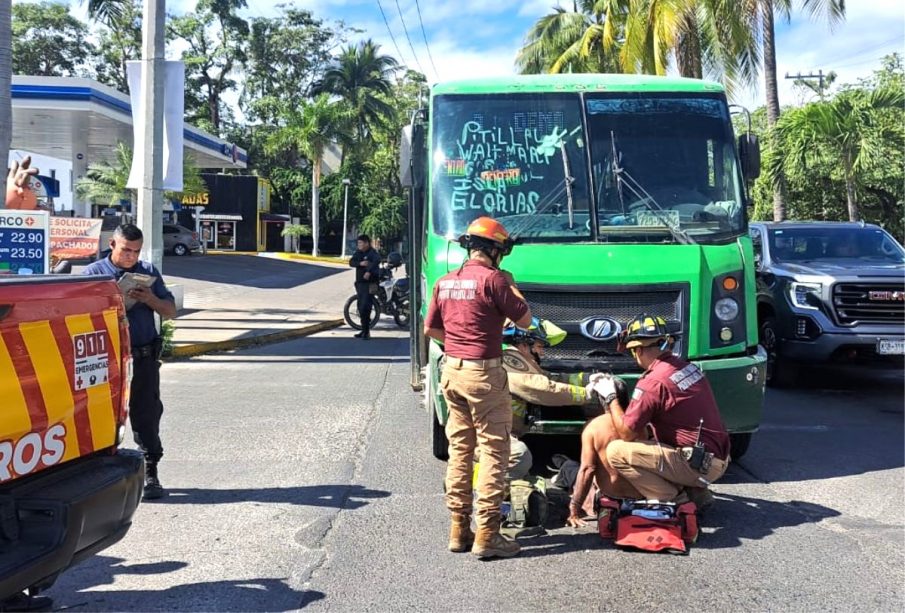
[82, 120]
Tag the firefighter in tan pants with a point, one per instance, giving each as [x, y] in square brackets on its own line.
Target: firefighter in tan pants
[530, 384]
[466, 315]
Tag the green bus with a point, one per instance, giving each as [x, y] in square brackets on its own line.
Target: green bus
[626, 194]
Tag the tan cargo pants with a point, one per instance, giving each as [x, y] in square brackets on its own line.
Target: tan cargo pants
[480, 418]
[658, 472]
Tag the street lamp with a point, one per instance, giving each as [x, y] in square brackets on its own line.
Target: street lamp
[346, 184]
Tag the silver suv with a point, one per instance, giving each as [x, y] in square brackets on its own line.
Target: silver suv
[828, 292]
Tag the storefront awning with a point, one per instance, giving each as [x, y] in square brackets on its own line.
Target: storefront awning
[274, 218]
[219, 217]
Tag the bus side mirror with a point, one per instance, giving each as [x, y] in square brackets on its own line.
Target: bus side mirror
[411, 156]
[749, 154]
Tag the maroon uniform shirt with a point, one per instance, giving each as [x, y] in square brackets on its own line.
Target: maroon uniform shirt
[471, 305]
[673, 396]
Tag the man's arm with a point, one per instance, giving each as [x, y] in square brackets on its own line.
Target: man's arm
[164, 307]
[436, 334]
[584, 478]
[510, 300]
[540, 389]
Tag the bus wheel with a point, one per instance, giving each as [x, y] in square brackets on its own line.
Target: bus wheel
[739, 443]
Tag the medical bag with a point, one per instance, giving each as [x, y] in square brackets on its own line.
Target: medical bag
[648, 525]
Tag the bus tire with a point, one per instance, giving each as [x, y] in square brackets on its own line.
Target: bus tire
[739, 442]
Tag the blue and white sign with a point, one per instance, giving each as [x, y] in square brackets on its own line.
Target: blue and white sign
[24, 242]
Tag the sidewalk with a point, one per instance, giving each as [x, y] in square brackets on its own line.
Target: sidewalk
[232, 301]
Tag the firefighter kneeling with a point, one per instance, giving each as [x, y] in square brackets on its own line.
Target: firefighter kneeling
[669, 443]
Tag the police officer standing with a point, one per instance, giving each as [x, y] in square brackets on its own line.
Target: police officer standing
[466, 315]
[145, 407]
[366, 262]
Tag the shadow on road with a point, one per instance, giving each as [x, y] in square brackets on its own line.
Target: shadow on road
[334, 496]
[738, 519]
[75, 591]
[248, 271]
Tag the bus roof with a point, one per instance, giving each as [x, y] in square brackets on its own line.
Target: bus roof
[575, 82]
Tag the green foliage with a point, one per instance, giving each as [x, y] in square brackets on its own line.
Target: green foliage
[167, 331]
[105, 182]
[215, 37]
[700, 38]
[841, 157]
[47, 41]
[119, 41]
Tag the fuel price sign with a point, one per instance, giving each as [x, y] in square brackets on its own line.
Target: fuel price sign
[24, 245]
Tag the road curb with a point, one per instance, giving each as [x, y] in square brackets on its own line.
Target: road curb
[188, 351]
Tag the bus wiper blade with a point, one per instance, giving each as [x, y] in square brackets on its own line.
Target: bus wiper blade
[623, 178]
[569, 180]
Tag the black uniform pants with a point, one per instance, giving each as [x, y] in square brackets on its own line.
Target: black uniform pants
[145, 407]
[365, 304]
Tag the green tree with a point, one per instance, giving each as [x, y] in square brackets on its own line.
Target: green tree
[105, 182]
[309, 130]
[762, 15]
[285, 56]
[702, 37]
[846, 126]
[6, 72]
[119, 41]
[47, 41]
[216, 38]
[359, 75]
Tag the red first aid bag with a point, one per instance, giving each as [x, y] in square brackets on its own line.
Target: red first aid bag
[673, 534]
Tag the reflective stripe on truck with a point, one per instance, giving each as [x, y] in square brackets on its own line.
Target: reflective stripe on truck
[61, 385]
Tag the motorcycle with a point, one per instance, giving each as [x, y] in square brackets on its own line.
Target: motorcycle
[392, 297]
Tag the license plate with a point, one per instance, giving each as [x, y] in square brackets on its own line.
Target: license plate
[891, 346]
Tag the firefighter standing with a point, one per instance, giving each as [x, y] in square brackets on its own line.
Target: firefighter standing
[466, 314]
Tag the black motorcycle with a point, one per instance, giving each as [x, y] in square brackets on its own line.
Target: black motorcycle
[392, 297]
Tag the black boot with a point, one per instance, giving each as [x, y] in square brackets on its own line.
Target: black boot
[153, 489]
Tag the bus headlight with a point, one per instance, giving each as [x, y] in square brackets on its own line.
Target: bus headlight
[726, 309]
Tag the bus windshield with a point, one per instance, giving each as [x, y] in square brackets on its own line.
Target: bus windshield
[518, 158]
[664, 163]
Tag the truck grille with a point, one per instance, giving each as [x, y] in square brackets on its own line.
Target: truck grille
[869, 303]
[568, 307]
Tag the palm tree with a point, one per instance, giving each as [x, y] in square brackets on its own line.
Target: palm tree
[105, 182]
[6, 73]
[359, 75]
[846, 126]
[310, 130]
[105, 11]
[763, 12]
[705, 37]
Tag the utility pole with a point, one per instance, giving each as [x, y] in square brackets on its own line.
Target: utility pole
[819, 76]
[149, 214]
[346, 183]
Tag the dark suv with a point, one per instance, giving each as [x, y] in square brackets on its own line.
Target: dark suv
[828, 292]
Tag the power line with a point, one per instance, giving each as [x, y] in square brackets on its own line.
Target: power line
[871, 48]
[393, 38]
[424, 35]
[408, 38]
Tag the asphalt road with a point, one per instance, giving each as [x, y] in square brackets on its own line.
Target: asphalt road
[300, 476]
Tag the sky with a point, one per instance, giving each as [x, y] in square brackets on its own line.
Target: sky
[467, 38]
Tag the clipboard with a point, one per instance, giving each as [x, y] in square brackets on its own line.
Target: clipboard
[130, 281]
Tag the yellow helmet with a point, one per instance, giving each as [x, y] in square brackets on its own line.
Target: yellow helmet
[644, 330]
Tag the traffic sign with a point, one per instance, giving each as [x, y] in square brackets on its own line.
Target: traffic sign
[24, 244]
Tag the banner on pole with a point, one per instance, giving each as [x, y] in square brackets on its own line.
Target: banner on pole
[173, 119]
[74, 238]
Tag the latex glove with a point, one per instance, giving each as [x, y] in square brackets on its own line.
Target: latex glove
[597, 376]
[605, 386]
[589, 390]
